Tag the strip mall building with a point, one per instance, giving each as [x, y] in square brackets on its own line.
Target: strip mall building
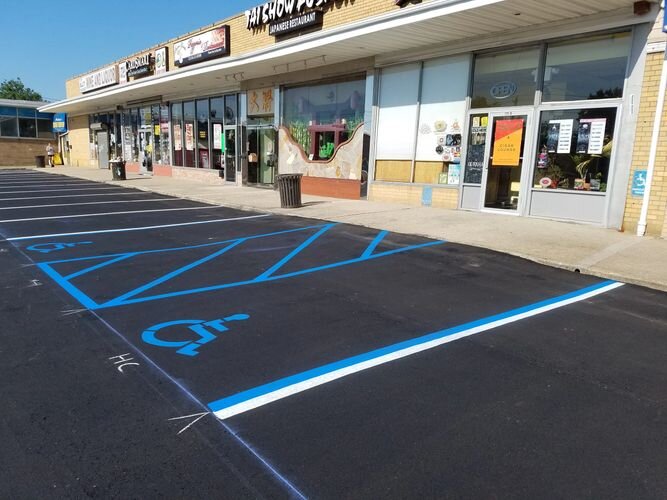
[537, 109]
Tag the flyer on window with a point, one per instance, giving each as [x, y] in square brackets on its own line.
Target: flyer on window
[217, 132]
[189, 133]
[591, 135]
[559, 136]
[178, 141]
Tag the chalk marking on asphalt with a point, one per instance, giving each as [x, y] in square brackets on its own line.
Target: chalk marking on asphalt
[84, 203]
[60, 190]
[273, 391]
[143, 193]
[143, 228]
[198, 416]
[77, 216]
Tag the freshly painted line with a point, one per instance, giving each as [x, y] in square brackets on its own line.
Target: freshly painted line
[83, 299]
[97, 266]
[79, 196]
[7, 221]
[84, 203]
[60, 190]
[48, 184]
[266, 274]
[259, 396]
[371, 248]
[143, 228]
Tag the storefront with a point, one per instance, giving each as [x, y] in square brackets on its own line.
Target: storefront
[492, 105]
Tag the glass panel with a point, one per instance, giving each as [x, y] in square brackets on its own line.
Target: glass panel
[475, 149]
[177, 132]
[27, 127]
[574, 149]
[9, 126]
[189, 117]
[146, 138]
[230, 154]
[7, 111]
[267, 159]
[164, 134]
[587, 69]
[230, 109]
[503, 182]
[203, 160]
[217, 117]
[505, 78]
[155, 127]
[26, 112]
[45, 129]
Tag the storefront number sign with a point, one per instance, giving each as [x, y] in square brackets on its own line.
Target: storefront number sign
[507, 142]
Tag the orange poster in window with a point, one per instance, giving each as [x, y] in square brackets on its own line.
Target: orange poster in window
[507, 143]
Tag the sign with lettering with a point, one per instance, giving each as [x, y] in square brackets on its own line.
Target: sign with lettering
[140, 65]
[507, 142]
[276, 10]
[260, 102]
[161, 61]
[60, 122]
[202, 47]
[101, 78]
[307, 20]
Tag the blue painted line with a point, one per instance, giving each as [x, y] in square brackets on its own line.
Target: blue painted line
[83, 299]
[98, 266]
[304, 376]
[266, 274]
[173, 274]
[371, 248]
[269, 279]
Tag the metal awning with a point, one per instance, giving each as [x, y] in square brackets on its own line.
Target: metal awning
[440, 25]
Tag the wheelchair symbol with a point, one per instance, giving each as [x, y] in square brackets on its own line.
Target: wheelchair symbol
[200, 327]
[54, 247]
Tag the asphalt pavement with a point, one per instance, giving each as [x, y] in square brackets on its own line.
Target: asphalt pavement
[160, 347]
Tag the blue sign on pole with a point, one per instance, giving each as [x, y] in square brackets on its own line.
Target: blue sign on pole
[60, 122]
[638, 183]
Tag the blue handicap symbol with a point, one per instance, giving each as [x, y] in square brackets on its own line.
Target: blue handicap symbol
[201, 327]
[54, 247]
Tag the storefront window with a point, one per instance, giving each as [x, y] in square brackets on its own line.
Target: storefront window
[231, 110]
[8, 124]
[164, 134]
[27, 125]
[574, 149]
[591, 68]
[177, 132]
[321, 117]
[474, 163]
[202, 134]
[217, 121]
[505, 78]
[189, 117]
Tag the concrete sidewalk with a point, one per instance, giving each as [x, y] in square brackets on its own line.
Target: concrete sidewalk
[589, 249]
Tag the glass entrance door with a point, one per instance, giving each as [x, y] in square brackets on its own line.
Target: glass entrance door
[506, 155]
[262, 159]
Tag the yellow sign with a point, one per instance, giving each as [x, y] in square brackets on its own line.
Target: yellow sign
[156, 129]
[507, 143]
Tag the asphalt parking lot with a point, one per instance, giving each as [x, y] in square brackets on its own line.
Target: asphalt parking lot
[154, 346]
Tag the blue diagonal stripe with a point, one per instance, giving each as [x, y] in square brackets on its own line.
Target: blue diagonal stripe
[98, 266]
[371, 248]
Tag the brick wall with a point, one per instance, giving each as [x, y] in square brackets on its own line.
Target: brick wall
[79, 140]
[22, 152]
[658, 197]
[412, 195]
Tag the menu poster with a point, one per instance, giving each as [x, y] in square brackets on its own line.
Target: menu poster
[189, 133]
[178, 138]
[507, 142]
[217, 132]
[591, 135]
[475, 152]
[559, 136]
[454, 174]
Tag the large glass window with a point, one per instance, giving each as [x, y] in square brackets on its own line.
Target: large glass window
[321, 117]
[164, 134]
[574, 149]
[27, 125]
[505, 78]
[177, 132]
[217, 119]
[202, 134]
[189, 117]
[8, 123]
[231, 110]
[592, 68]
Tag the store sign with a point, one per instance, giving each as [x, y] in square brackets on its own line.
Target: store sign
[503, 90]
[60, 122]
[205, 46]
[161, 61]
[104, 77]
[276, 10]
[260, 102]
[307, 20]
[507, 143]
[139, 66]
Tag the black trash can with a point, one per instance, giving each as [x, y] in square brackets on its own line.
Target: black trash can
[289, 186]
[118, 170]
[40, 161]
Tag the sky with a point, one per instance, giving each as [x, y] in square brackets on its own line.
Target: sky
[45, 42]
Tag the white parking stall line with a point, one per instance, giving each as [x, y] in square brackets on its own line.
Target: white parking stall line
[50, 185]
[30, 219]
[143, 228]
[60, 190]
[133, 193]
[105, 202]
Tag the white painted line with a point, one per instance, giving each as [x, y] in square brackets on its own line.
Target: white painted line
[60, 190]
[101, 231]
[47, 184]
[283, 388]
[85, 203]
[7, 221]
[143, 193]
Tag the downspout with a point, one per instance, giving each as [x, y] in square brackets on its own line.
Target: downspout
[653, 153]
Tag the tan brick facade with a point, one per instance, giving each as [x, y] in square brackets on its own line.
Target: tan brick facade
[79, 140]
[22, 152]
[412, 195]
[658, 197]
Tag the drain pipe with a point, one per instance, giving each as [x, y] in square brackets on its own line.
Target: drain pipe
[653, 153]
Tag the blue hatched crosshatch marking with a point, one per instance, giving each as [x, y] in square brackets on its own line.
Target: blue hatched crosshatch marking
[221, 247]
